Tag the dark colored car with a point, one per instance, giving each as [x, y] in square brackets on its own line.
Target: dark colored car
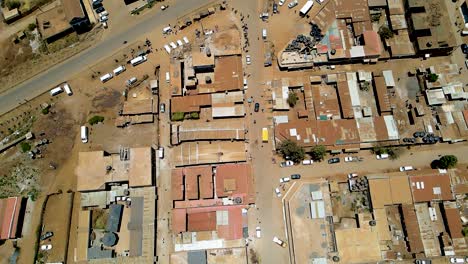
[464, 48]
[100, 9]
[47, 235]
[97, 5]
[256, 107]
[334, 160]
[275, 8]
[295, 176]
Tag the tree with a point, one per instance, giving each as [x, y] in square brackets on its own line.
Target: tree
[13, 4]
[178, 116]
[195, 115]
[32, 26]
[385, 32]
[448, 161]
[289, 148]
[96, 119]
[292, 99]
[25, 146]
[318, 152]
[432, 77]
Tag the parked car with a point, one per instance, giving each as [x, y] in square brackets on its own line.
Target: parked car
[47, 235]
[457, 260]
[352, 175]
[295, 176]
[104, 19]
[279, 241]
[422, 261]
[258, 232]
[284, 179]
[256, 107]
[277, 191]
[275, 8]
[333, 160]
[248, 59]
[292, 4]
[287, 163]
[406, 168]
[103, 13]
[348, 159]
[46, 247]
[163, 7]
[104, 24]
[100, 9]
[464, 48]
[307, 162]
[381, 156]
[162, 108]
[281, 2]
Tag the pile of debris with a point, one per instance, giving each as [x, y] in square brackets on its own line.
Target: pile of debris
[302, 44]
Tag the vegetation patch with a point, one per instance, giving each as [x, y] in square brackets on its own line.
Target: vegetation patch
[292, 150]
[95, 120]
[178, 116]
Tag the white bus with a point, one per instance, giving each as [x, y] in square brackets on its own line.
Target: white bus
[67, 89]
[84, 134]
[138, 60]
[106, 77]
[307, 6]
[119, 70]
[56, 91]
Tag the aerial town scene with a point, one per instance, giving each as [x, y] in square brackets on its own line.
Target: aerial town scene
[234, 131]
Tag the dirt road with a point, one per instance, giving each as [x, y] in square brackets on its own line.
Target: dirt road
[61, 72]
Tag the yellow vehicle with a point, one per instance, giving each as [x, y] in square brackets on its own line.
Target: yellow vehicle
[265, 134]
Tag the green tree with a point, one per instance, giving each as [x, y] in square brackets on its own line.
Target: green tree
[32, 26]
[178, 116]
[385, 32]
[432, 77]
[195, 115]
[465, 231]
[96, 119]
[45, 110]
[13, 4]
[289, 148]
[448, 161]
[25, 146]
[292, 99]
[318, 152]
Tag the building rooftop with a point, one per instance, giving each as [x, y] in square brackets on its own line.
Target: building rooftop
[235, 180]
[205, 221]
[326, 102]
[389, 189]
[96, 168]
[137, 107]
[9, 216]
[175, 77]
[412, 228]
[193, 153]
[192, 103]
[221, 129]
[435, 97]
[430, 186]
[382, 94]
[228, 75]
[82, 240]
[454, 222]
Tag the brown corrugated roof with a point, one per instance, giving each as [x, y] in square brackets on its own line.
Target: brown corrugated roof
[345, 99]
[191, 103]
[205, 221]
[176, 77]
[372, 42]
[198, 183]
[389, 189]
[325, 101]
[428, 187]
[179, 220]
[382, 95]
[454, 222]
[177, 184]
[228, 75]
[412, 229]
[235, 180]
[9, 211]
[73, 9]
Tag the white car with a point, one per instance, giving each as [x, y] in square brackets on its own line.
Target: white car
[284, 179]
[382, 156]
[46, 247]
[104, 24]
[103, 19]
[248, 59]
[258, 232]
[281, 2]
[277, 191]
[352, 175]
[348, 159]
[279, 241]
[287, 163]
[457, 260]
[406, 168]
[103, 13]
[163, 7]
[292, 4]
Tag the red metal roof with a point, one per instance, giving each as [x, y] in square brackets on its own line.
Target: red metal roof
[235, 180]
[9, 211]
[205, 221]
[454, 222]
[179, 220]
[428, 187]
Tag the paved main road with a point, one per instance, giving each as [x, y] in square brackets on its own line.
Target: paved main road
[59, 73]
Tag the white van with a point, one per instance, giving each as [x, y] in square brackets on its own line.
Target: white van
[161, 152]
[168, 77]
[166, 30]
[84, 134]
[119, 70]
[382, 156]
[307, 162]
[264, 33]
[186, 40]
[173, 45]
[131, 81]
[179, 42]
[106, 77]
[406, 168]
[67, 89]
[138, 60]
[56, 91]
